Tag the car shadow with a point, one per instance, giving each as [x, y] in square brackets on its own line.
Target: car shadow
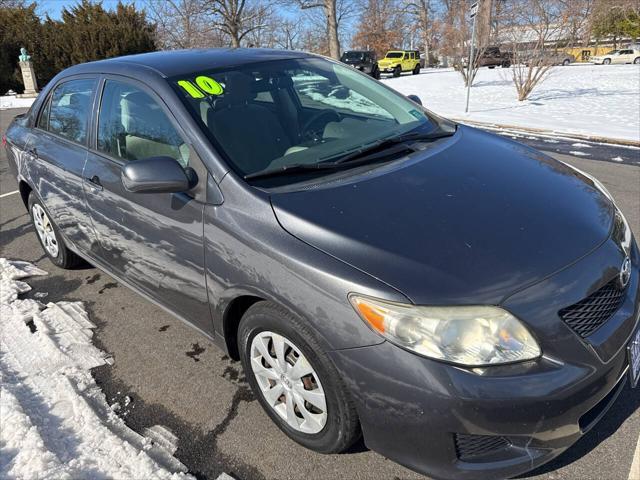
[625, 406]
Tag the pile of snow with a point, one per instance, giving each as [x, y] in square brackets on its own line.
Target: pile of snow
[11, 101]
[55, 421]
[590, 100]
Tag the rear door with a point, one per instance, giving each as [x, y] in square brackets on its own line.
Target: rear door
[153, 241]
[57, 153]
[626, 56]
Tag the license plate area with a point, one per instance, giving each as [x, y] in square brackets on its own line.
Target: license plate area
[634, 358]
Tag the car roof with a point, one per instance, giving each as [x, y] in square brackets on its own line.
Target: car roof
[170, 63]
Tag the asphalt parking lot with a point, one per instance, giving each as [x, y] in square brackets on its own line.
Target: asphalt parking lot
[177, 379]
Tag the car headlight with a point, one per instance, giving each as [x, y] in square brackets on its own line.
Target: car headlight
[465, 335]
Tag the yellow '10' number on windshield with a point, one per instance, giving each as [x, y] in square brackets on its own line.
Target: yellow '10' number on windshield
[204, 84]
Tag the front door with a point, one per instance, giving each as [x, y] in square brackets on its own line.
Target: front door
[151, 240]
[59, 144]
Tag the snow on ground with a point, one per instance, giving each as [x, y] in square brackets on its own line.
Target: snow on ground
[55, 421]
[11, 101]
[590, 100]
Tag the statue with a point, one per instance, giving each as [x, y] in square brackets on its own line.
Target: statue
[24, 56]
[28, 75]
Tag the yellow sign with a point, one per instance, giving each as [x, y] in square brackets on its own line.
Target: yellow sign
[206, 84]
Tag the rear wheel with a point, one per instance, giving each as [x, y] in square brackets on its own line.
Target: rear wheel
[606, 61]
[397, 71]
[295, 382]
[49, 236]
[637, 61]
[416, 70]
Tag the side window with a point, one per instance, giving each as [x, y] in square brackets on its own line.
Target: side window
[69, 109]
[132, 126]
[43, 121]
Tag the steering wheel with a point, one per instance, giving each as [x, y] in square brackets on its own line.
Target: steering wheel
[312, 127]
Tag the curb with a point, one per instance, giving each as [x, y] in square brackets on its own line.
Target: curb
[549, 133]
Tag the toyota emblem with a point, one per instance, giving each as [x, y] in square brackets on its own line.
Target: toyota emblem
[625, 272]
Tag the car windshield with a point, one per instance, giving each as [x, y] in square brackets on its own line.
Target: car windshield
[352, 56]
[394, 54]
[295, 112]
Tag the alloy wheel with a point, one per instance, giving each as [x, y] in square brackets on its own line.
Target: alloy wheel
[44, 227]
[288, 382]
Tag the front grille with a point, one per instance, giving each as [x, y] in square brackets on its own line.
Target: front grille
[470, 446]
[586, 316]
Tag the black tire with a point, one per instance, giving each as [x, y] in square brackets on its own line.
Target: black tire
[375, 72]
[342, 426]
[506, 64]
[65, 258]
[636, 61]
[416, 70]
[397, 71]
[492, 67]
[606, 61]
[566, 62]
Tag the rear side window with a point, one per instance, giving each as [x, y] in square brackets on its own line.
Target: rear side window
[133, 126]
[69, 108]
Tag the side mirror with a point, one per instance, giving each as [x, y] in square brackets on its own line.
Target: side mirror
[415, 99]
[155, 175]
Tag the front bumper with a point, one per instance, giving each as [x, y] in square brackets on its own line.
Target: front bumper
[420, 412]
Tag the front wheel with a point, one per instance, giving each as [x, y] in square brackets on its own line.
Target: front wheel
[397, 71]
[295, 382]
[606, 61]
[566, 62]
[375, 72]
[49, 236]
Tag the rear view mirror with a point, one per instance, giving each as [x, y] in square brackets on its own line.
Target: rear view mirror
[155, 175]
[415, 99]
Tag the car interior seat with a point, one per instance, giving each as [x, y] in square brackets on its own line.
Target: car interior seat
[235, 116]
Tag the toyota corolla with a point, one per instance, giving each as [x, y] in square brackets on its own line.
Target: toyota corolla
[465, 303]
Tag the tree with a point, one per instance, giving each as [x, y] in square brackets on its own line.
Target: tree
[535, 29]
[616, 19]
[20, 27]
[457, 37]
[380, 28]
[421, 9]
[237, 18]
[84, 33]
[330, 11]
[184, 24]
[88, 32]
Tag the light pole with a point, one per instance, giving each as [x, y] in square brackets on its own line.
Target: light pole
[474, 11]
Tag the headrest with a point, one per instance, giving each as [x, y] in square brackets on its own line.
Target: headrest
[237, 88]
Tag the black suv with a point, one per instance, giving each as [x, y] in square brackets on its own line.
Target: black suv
[364, 60]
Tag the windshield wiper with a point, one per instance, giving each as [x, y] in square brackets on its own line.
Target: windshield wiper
[290, 169]
[389, 142]
[361, 156]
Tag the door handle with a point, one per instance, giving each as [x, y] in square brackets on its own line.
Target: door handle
[94, 182]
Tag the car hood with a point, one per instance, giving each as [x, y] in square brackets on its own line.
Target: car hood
[468, 220]
[388, 61]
